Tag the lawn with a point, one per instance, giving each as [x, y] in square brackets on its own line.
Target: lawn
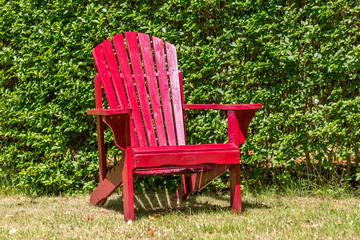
[204, 216]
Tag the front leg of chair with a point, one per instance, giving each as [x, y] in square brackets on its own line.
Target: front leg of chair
[238, 123]
[128, 188]
[184, 190]
[235, 188]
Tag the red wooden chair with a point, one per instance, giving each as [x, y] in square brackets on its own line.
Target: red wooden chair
[149, 124]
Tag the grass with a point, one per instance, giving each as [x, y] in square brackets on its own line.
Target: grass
[265, 216]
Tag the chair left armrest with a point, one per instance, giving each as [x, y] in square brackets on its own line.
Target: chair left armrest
[239, 118]
[223, 106]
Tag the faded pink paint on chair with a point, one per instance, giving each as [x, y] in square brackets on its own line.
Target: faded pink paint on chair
[146, 116]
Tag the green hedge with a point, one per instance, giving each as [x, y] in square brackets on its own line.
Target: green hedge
[300, 59]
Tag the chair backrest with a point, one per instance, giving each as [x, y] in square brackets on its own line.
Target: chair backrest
[126, 86]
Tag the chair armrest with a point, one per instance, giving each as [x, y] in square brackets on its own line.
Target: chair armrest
[223, 106]
[119, 122]
[239, 118]
[106, 112]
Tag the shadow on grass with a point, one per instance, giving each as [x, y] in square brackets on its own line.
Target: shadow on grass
[151, 203]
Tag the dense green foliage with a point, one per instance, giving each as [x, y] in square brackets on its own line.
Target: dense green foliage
[299, 59]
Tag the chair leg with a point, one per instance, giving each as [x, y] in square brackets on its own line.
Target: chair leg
[108, 185]
[183, 191]
[128, 190]
[235, 188]
[198, 181]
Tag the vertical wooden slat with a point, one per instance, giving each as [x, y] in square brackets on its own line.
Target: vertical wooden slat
[175, 92]
[105, 77]
[181, 87]
[130, 88]
[164, 89]
[100, 130]
[182, 99]
[115, 74]
[98, 98]
[148, 61]
[101, 147]
[134, 53]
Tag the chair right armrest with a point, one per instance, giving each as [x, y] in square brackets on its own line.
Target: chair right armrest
[239, 118]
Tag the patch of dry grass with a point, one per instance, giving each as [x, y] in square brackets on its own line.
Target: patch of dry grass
[266, 216]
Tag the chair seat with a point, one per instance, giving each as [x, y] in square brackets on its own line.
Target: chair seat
[182, 155]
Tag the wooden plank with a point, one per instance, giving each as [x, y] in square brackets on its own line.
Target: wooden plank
[134, 53]
[105, 77]
[181, 87]
[164, 171]
[148, 61]
[114, 72]
[128, 188]
[130, 88]
[235, 188]
[100, 129]
[106, 187]
[105, 112]
[164, 89]
[183, 189]
[187, 158]
[186, 148]
[101, 148]
[100, 194]
[223, 106]
[98, 97]
[182, 98]
[175, 92]
[167, 172]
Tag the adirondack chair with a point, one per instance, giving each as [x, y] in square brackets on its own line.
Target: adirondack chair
[146, 116]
